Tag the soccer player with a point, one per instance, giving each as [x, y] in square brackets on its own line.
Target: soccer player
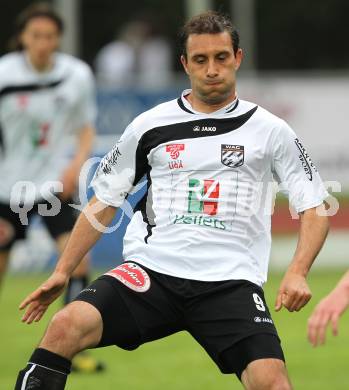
[196, 250]
[329, 309]
[47, 111]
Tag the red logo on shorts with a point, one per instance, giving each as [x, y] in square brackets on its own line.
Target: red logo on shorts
[132, 276]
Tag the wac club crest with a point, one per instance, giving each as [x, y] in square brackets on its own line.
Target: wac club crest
[232, 155]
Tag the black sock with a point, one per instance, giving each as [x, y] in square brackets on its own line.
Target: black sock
[44, 371]
[75, 285]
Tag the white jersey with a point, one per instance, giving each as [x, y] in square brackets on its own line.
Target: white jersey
[41, 114]
[207, 214]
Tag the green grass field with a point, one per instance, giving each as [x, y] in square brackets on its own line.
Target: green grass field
[177, 362]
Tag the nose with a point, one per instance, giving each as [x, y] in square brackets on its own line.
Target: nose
[212, 70]
[43, 44]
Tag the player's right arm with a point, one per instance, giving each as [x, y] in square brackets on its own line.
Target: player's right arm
[118, 172]
[329, 310]
[95, 217]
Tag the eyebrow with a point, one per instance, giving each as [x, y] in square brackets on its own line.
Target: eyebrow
[215, 54]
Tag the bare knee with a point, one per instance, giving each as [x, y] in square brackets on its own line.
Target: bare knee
[279, 382]
[61, 336]
[72, 329]
[266, 374]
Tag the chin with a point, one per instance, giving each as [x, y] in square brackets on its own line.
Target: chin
[215, 97]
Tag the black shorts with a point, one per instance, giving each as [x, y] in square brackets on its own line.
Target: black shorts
[229, 319]
[12, 229]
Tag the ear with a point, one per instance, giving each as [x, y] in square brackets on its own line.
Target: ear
[238, 59]
[184, 63]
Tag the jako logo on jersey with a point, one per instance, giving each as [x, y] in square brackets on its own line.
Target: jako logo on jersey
[204, 128]
[305, 159]
[232, 155]
[132, 276]
[203, 196]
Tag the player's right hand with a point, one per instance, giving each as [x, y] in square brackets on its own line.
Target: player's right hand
[39, 300]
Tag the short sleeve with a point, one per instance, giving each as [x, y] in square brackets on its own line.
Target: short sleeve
[117, 171]
[294, 170]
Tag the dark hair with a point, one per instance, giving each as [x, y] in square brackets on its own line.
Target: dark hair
[35, 10]
[210, 22]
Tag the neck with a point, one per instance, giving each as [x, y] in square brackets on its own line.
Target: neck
[40, 66]
[206, 107]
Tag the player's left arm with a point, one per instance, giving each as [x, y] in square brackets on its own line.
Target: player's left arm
[294, 292]
[70, 177]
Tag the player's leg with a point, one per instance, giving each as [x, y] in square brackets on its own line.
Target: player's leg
[232, 322]
[266, 374]
[4, 256]
[74, 328]
[129, 310]
[60, 227]
[11, 229]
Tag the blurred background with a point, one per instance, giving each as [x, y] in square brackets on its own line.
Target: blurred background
[296, 65]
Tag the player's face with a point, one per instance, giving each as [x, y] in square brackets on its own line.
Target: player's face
[211, 66]
[40, 39]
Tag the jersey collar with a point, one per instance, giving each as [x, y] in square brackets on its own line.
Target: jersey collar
[45, 73]
[186, 106]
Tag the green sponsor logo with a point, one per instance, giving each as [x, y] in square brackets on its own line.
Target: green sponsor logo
[199, 220]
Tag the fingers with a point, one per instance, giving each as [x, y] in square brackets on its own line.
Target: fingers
[40, 315]
[32, 307]
[37, 302]
[317, 325]
[287, 299]
[293, 299]
[334, 321]
[297, 301]
[278, 302]
[30, 298]
[321, 329]
[34, 313]
[36, 295]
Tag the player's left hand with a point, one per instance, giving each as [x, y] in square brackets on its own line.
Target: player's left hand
[294, 292]
[69, 180]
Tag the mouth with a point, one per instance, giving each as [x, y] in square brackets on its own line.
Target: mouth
[213, 82]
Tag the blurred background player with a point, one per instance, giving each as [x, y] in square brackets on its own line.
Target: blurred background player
[328, 311]
[139, 56]
[47, 109]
